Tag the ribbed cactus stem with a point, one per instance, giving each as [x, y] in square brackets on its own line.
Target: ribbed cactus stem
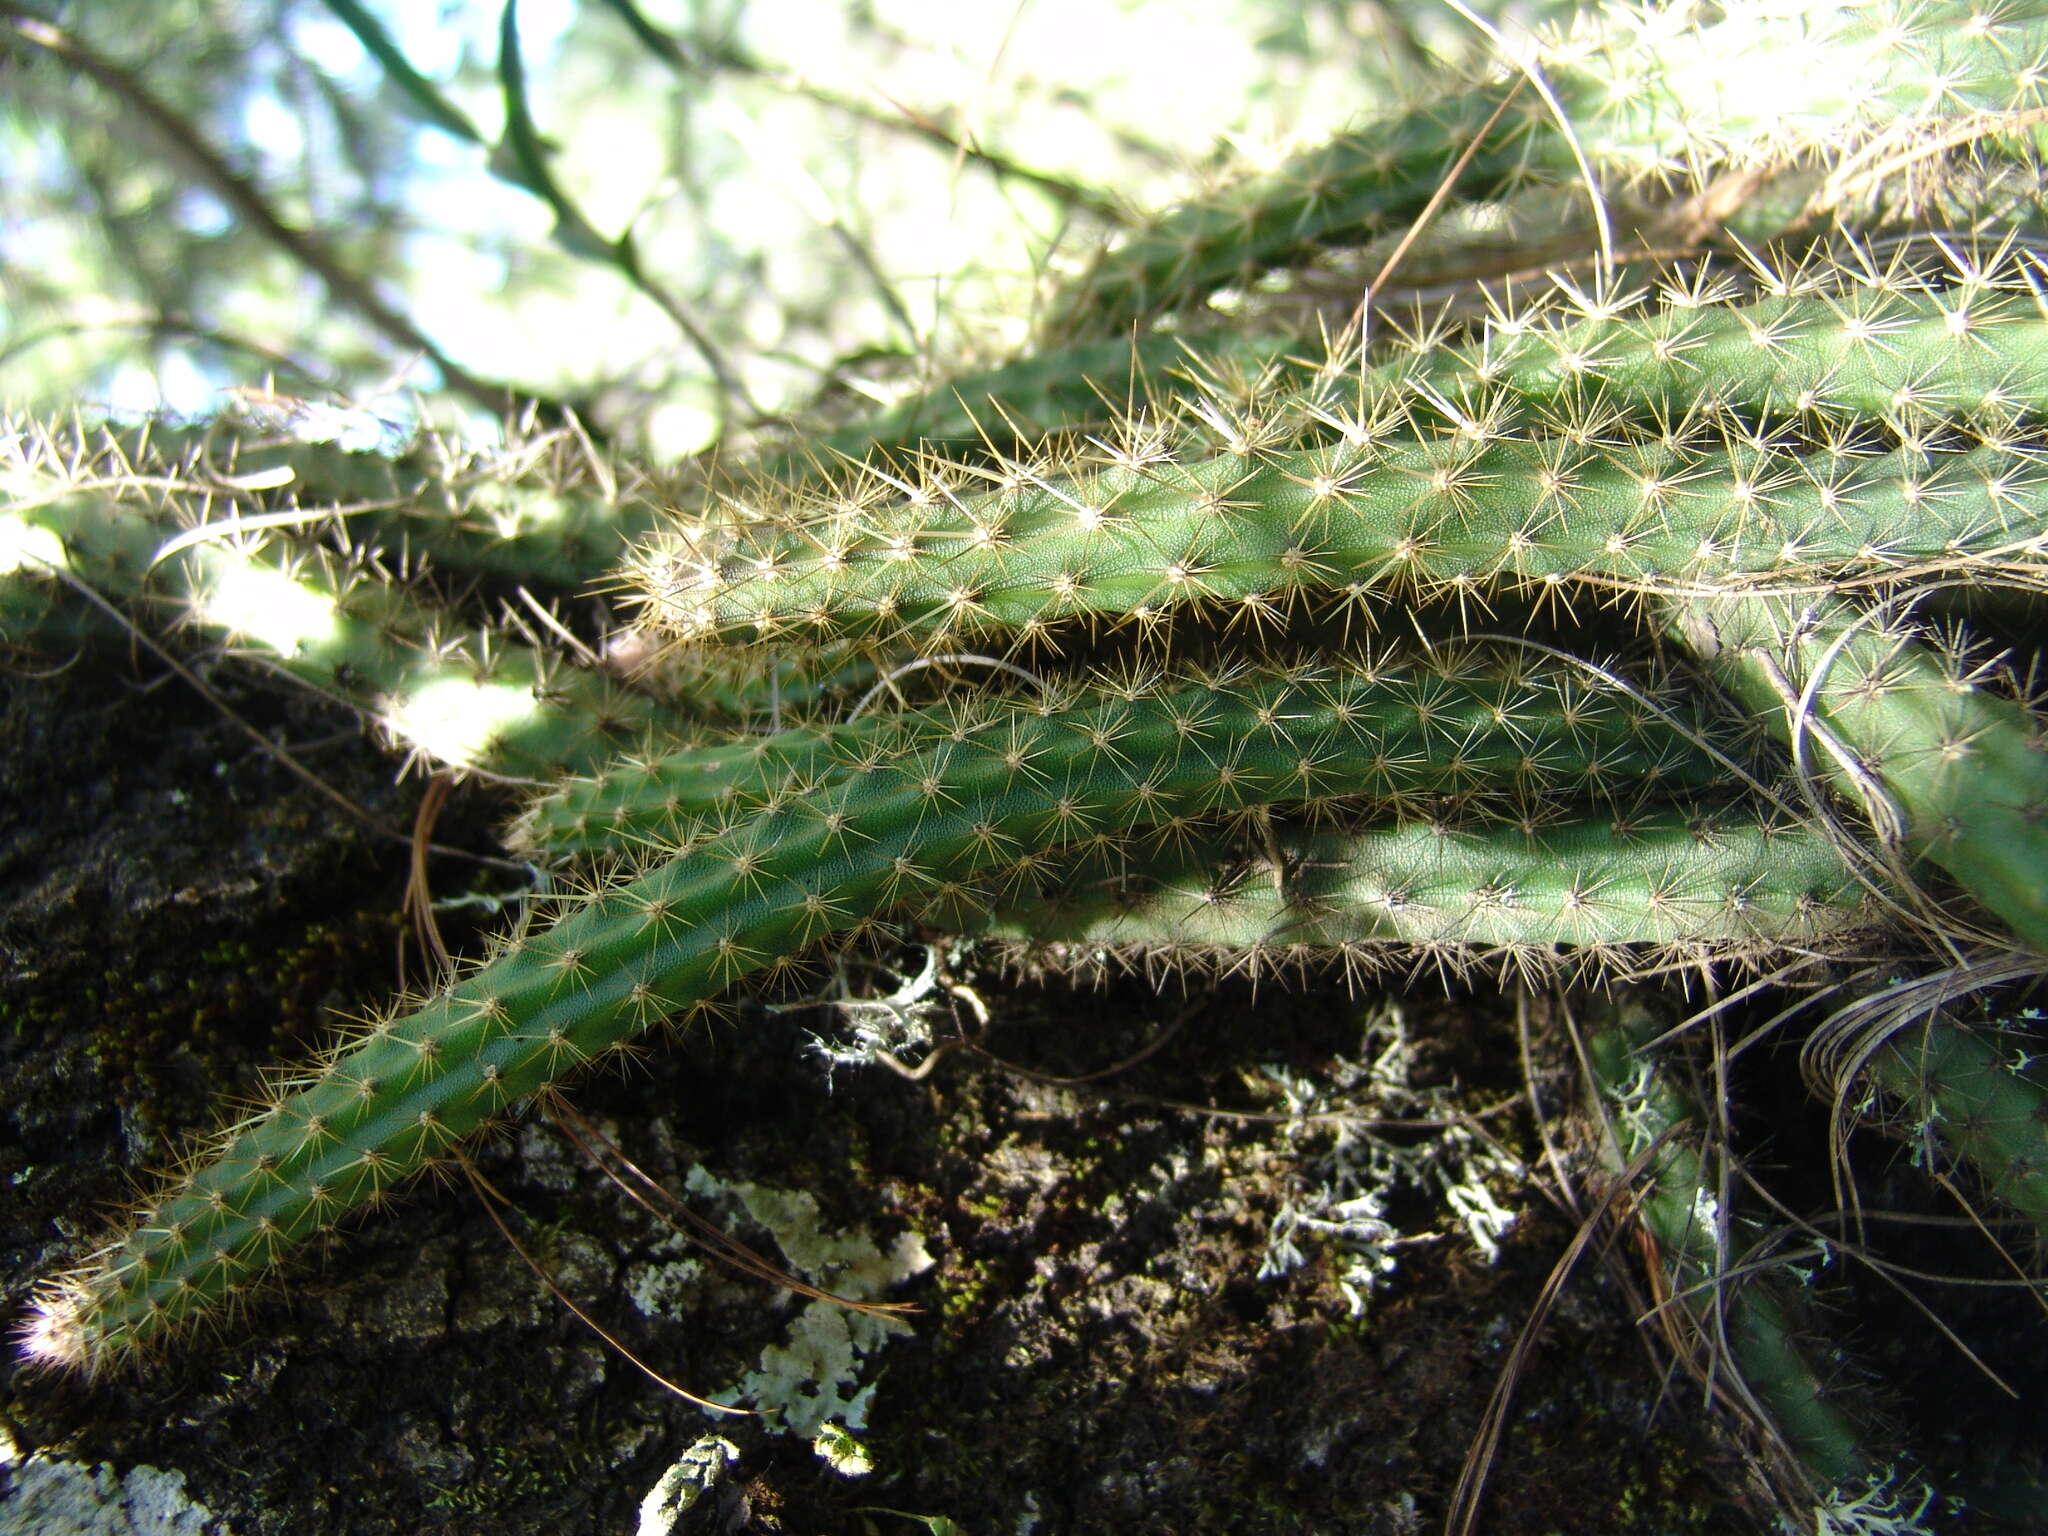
[929, 832]
[675, 797]
[1925, 743]
[1465, 723]
[1568, 887]
[1351, 187]
[1386, 516]
[1958, 343]
[1962, 338]
[1703, 1251]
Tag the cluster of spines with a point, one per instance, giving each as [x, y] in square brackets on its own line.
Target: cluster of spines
[973, 813]
[158, 535]
[1658, 105]
[1456, 723]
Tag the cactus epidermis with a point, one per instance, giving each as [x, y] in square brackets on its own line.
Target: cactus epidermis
[956, 809]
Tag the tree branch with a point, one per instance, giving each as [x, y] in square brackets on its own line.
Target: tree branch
[241, 195]
[698, 57]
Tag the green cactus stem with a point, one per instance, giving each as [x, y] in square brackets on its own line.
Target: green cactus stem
[963, 808]
[1570, 889]
[1355, 186]
[1951, 344]
[1958, 1088]
[1654, 122]
[1064, 391]
[1258, 532]
[1944, 765]
[1964, 337]
[1703, 1250]
[1463, 723]
[470, 699]
[1959, 1095]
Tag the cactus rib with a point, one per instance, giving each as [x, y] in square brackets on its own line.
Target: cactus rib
[921, 832]
[1462, 723]
[1945, 764]
[1425, 518]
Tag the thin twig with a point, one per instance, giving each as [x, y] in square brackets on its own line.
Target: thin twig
[241, 194]
[697, 57]
[490, 1199]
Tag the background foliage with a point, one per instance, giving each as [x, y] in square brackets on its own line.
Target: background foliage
[813, 187]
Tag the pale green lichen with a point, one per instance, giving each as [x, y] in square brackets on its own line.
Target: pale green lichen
[698, 1471]
[1348, 1172]
[49, 1496]
[811, 1384]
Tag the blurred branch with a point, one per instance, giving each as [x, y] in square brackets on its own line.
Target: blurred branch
[528, 168]
[701, 59]
[803, 188]
[422, 92]
[242, 196]
[161, 326]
